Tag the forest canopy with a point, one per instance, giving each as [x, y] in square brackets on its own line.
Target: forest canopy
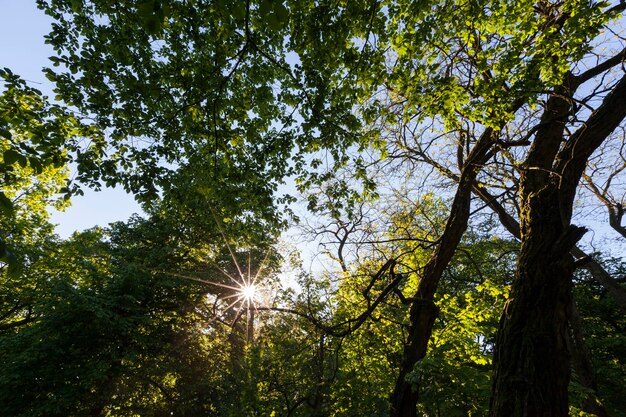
[446, 161]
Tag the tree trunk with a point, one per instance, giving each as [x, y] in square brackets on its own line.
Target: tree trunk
[532, 359]
[581, 359]
[596, 270]
[423, 310]
[405, 395]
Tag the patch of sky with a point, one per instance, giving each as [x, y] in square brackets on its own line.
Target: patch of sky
[23, 50]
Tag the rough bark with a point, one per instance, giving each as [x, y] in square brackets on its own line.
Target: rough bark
[532, 358]
[597, 272]
[581, 360]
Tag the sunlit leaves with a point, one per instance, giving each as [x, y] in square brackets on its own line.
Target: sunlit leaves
[214, 103]
[34, 149]
[472, 57]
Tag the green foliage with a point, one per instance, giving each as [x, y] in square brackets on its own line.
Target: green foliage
[204, 108]
[455, 376]
[65, 361]
[247, 86]
[518, 47]
[114, 332]
[41, 136]
[197, 81]
[603, 326]
[288, 370]
[38, 140]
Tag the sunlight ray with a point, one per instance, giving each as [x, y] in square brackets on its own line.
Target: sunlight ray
[249, 283]
[221, 230]
[262, 265]
[232, 304]
[237, 294]
[239, 314]
[223, 271]
[203, 281]
[249, 292]
[217, 317]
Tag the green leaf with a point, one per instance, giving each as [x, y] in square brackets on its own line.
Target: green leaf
[36, 165]
[76, 5]
[146, 9]
[239, 10]
[22, 160]
[265, 7]
[282, 13]
[15, 267]
[6, 133]
[11, 156]
[6, 205]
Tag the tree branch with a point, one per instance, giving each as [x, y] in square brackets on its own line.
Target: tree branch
[348, 326]
[572, 159]
[600, 68]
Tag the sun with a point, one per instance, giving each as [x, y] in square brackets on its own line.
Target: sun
[248, 292]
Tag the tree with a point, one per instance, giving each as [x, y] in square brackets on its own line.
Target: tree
[125, 321]
[33, 155]
[202, 91]
[36, 142]
[468, 87]
[503, 86]
[104, 308]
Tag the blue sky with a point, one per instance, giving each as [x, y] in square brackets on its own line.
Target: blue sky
[22, 49]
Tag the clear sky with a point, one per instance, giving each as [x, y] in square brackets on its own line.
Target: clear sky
[22, 49]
